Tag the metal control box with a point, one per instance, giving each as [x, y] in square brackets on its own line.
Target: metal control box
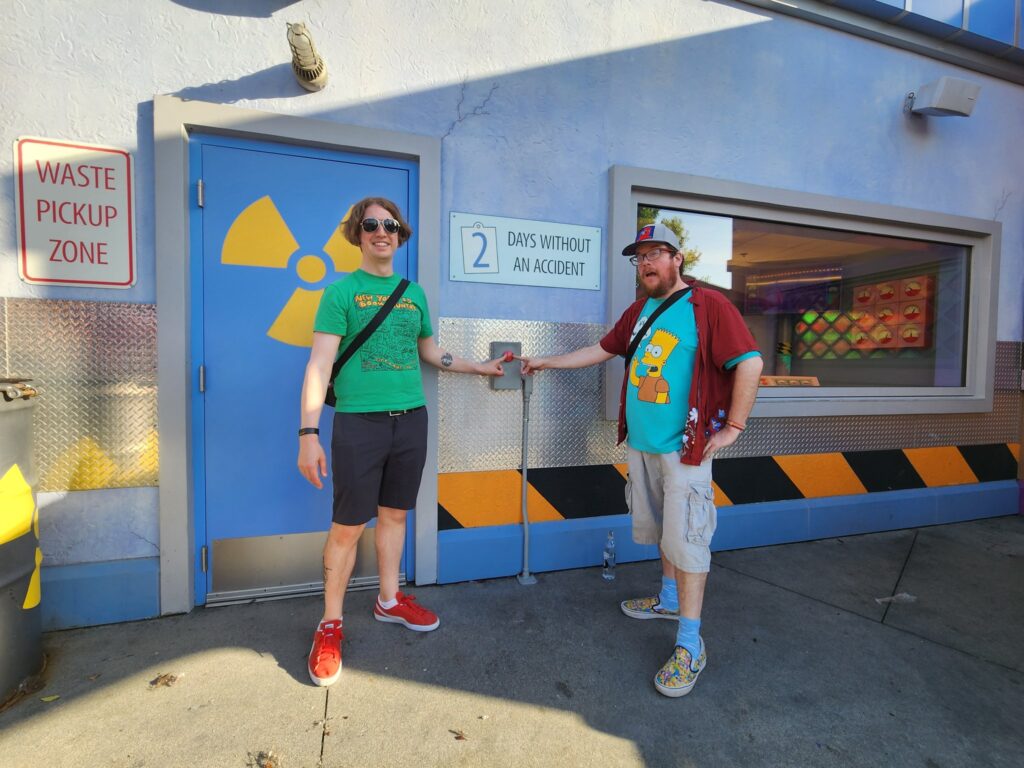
[512, 377]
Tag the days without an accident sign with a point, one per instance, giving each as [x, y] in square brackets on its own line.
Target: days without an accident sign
[75, 214]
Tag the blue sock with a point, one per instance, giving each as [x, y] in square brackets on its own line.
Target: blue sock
[689, 636]
[668, 597]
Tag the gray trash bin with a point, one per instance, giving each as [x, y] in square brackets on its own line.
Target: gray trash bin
[20, 624]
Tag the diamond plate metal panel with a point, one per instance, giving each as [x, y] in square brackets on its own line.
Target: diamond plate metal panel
[823, 434]
[1008, 363]
[94, 365]
[480, 429]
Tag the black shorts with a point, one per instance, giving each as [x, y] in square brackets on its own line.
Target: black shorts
[376, 460]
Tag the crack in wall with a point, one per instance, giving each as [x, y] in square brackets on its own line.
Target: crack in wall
[1002, 204]
[477, 111]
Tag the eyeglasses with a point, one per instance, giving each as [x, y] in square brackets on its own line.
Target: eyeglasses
[390, 225]
[652, 255]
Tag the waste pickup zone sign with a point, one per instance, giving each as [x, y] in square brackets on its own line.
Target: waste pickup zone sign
[74, 214]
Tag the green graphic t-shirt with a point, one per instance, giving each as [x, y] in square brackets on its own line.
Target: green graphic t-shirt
[384, 374]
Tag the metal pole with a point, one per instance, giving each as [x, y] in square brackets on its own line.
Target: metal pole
[525, 577]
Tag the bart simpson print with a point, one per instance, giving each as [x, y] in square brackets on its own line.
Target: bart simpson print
[653, 388]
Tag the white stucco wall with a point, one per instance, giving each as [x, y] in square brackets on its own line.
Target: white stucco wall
[536, 100]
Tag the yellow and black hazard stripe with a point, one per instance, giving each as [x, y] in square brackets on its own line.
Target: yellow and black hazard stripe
[475, 499]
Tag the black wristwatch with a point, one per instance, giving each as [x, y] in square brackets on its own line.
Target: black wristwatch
[309, 431]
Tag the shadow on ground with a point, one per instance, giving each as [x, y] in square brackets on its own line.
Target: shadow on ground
[805, 668]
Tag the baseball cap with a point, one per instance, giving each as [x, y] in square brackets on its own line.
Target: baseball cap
[653, 233]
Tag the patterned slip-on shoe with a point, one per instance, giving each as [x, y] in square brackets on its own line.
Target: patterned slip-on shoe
[680, 674]
[647, 608]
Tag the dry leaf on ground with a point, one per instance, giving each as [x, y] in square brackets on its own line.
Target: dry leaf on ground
[164, 680]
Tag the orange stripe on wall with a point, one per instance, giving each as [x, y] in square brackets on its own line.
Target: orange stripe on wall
[821, 474]
[477, 499]
[1015, 450]
[721, 500]
[939, 466]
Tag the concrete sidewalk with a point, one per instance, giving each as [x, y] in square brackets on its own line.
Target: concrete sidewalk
[805, 668]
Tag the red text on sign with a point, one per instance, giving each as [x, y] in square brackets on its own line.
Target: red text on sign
[83, 214]
[81, 175]
[78, 252]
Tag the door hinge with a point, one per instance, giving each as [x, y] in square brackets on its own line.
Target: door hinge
[202, 378]
[203, 558]
[200, 193]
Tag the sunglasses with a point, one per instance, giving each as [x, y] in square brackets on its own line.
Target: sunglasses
[390, 225]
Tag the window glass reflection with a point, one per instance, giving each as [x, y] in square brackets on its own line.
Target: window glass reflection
[949, 11]
[993, 19]
[831, 308]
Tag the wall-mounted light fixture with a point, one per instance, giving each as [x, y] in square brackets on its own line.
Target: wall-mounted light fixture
[947, 96]
[309, 68]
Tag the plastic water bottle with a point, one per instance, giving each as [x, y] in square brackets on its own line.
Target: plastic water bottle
[608, 571]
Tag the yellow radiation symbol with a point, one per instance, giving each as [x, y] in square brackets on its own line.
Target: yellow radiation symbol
[259, 237]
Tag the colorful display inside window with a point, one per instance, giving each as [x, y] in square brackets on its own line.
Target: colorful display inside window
[889, 315]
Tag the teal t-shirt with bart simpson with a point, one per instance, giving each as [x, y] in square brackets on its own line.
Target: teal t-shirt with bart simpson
[657, 396]
[384, 373]
[660, 377]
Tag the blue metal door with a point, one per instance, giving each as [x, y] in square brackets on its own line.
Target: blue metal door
[267, 243]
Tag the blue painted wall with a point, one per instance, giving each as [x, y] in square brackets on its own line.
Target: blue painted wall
[88, 594]
[534, 101]
[531, 117]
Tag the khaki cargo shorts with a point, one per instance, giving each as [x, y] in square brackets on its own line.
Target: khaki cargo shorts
[672, 505]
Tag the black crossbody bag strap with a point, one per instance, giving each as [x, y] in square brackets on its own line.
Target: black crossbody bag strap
[364, 334]
[650, 321]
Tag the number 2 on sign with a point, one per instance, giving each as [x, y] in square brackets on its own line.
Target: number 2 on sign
[479, 264]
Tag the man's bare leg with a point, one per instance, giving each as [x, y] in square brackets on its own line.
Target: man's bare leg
[390, 541]
[667, 569]
[679, 674]
[339, 562]
[691, 593]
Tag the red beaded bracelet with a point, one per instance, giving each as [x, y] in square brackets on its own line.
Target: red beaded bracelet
[735, 425]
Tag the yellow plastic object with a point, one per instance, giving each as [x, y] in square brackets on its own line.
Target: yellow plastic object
[32, 597]
[19, 516]
[16, 505]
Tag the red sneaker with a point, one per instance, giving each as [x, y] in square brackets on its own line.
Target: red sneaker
[407, 612]
[324, 662]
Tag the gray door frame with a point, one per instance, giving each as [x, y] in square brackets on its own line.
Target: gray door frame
[174, 119]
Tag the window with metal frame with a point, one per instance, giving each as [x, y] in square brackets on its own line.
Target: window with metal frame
[858, 308]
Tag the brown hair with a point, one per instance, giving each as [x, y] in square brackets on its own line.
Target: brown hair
[350, 227]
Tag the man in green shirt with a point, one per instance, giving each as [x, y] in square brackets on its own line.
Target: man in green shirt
[379, 436]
